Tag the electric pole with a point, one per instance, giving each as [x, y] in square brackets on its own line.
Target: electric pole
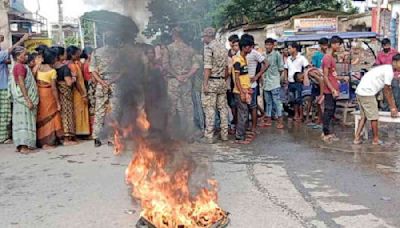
[378, 17]
[60, 22]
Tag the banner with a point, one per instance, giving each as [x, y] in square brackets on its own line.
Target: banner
[31, 44]
[315, 25]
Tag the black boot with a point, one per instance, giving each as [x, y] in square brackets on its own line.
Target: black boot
[97, 143]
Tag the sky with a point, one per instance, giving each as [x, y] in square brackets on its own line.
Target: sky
[49, 8]
[136, 9]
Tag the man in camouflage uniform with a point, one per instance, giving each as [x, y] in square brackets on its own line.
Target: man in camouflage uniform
[104, 73]
[214, 85]
[197, 83]
[181, 66]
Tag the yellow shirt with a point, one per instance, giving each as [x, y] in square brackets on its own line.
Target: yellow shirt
[240, 66]
[47, 76]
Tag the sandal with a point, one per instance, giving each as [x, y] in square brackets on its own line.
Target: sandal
[379, 143]
[326, 139]
[8, 141]
[316, 127]
[246, 141]
[357, 142]
[280, 126]
[26, 151]
[267, 122]
[251, 135]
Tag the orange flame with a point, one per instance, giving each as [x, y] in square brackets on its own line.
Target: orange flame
[142, 121]
[164, 194]
[121, 133]
[118, 145]
[165, 198]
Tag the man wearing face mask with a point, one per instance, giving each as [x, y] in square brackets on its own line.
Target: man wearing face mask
[385, 56]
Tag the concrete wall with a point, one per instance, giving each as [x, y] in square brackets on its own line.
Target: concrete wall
[350, 24]
[4, 26]
[395, 9]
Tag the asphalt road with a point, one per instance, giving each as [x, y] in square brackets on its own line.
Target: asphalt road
[285, 179]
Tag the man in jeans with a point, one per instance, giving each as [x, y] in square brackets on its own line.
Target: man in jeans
[331, 90]
[374, 81]
[296, 63]
[272, 84]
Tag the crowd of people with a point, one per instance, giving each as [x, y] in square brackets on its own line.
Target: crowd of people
[47, 100]
[290, 84]
[58, 96]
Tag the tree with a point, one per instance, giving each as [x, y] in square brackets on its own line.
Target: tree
[194, 15]
[235, 12]
[72, 41]
[191, 15]
[122, 27]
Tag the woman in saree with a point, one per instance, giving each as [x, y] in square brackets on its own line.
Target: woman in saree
[81, 109]
[25, 101]
[90, 84]
[49, 125]
[65, 89]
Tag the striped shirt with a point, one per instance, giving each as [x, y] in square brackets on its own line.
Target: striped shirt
[253, 58]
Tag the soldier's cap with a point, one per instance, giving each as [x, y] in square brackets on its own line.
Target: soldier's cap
[209, 32]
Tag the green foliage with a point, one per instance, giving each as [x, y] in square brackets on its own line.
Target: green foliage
[121, 27]
[191, 15]
[72, 41]
[88, 32]
[194, 15]
[243, 11]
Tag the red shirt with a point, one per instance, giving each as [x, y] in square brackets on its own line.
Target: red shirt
[86, 71]
[19, 71]
[385, 58]
[329, 62]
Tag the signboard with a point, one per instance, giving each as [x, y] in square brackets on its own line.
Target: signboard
[315, 25]
[31, 44]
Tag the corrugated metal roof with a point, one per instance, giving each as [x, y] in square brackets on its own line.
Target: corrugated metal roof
[316, 37]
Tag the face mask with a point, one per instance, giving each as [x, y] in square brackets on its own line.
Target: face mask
[386, 50]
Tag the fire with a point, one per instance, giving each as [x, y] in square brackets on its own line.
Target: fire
[121, 133]
[142, 121]
[118, 145]
[165, 195]
[164, 192]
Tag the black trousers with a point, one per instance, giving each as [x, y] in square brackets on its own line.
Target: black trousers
[329, 113]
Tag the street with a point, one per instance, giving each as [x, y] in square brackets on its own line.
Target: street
[284, 179]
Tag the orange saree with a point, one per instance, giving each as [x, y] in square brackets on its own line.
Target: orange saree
[49, 125]
[81, 108]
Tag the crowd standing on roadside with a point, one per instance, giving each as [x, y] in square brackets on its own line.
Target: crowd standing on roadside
[59, 96]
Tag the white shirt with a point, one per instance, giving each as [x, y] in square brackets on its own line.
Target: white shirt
[296, 65]
[253, 58]
[374, 81]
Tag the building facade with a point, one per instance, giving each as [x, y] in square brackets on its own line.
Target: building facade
[16, 20]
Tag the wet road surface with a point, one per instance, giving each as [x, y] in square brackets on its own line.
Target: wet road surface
[284, 179]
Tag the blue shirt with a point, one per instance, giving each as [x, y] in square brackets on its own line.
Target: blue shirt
[316, 60]
[4, 56]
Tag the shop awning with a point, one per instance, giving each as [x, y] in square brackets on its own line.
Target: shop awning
[316, 37]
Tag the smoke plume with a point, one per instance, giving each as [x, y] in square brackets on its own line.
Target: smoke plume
[135, 9]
